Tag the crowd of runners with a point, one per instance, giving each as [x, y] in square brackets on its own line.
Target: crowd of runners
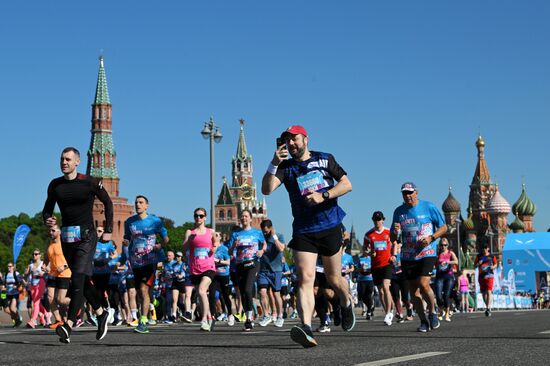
[243, 278]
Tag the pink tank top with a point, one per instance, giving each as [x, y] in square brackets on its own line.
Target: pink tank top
[444, 268]
[201, 254]
[463, 283]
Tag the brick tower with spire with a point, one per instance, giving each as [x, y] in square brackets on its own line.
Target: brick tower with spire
[102, 158]
[241, 194]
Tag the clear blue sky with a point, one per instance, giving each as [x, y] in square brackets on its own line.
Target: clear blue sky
[396, 90]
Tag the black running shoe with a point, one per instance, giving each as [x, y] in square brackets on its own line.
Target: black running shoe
[303, 336]
[102, 322]
[248, 325]
[64, 333]
[348, 317]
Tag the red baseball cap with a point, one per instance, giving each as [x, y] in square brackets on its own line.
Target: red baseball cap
[295, 130]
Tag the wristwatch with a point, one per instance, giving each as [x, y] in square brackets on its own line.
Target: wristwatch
[326, 195]
[433, 238]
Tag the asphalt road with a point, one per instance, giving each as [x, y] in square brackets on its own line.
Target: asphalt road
[506, 338]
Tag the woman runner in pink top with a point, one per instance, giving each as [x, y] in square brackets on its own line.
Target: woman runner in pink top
[202, 243]
[464, 287]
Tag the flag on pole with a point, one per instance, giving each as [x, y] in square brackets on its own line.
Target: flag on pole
[19, 239]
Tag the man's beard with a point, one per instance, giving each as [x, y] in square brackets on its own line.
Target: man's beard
[299, 153]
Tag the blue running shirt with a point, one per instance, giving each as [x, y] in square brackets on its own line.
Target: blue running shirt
[319, 173]
[417, 222]
[142, 235]
[364, 270]
[248, 246]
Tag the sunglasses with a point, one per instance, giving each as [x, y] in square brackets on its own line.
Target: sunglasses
[10, 266]
[444, 245]
[35, 253]
[199, 216]
[404, 193]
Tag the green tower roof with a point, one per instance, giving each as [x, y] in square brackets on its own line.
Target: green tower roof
[242, 152]
[101, 90]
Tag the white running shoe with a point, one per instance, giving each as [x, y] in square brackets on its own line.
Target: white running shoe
[205, 326]
[279, 322]
[111, 317]
[265, 321]
[231, 320]
[388, 318]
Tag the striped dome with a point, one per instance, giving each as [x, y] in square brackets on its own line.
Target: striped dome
[517, 225]
[450, 204]
[469, 222]
[498, 204]
[524, 206]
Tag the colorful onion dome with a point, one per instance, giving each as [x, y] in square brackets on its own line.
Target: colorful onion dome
[517, 225]
[498, 204]
[469, 224]
[450, 204]
[524, 206]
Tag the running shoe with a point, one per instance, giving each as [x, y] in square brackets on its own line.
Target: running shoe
[348, 318]
[222, 317]
[17, 323]
[168, 321]
[447, 317]
[102, 325]
[424, 327]
[488, 312]
[141, 328]
[55, 325]
[265, 320]
[248, 326]
[279, 322]
[117, 322]
[434, 321]
[152, 321]
[111, 313]
[205, 326]
[92, 320]
[369, 316]
[212, 324]
[294, 314]
[78, 323]
[134, 323]
[323, 329]
[31, 325]
[64, 333]
[388, 319]
[187, 317]
[303, 336]
[399, 318]
[409, 314]
[231, 320]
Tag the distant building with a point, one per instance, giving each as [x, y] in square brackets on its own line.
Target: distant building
[240, 194]
[486, 222]
[102, 159]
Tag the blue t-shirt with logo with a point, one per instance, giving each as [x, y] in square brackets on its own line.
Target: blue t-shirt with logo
[272, 260]
[142, 234]
[418, 222]
[249, 243]
[364, 271]
[347, 263]
[319, 173]
[222, 253]
[12, 281]
[102, 257]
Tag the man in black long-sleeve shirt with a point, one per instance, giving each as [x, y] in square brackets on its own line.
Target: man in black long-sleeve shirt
[74, 193]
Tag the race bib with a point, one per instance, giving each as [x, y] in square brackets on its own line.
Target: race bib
[311, 182]
[380, 245]
[319, 269]
[70, 234]
[444, 267]
[141, 246]
[201, 253]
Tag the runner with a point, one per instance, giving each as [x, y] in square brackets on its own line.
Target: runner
[202, 243]
[486, 264]
[36, 271]
[422, 226]
[222, 284]
[12, 281]
[271, 274]
[59, 279]
[399, 288]
[248, 245]
[464, 288]
[140, 231]
[445, 279]
[365, 284]
[104, 251]
[74, 193]
[378, 239]
[314, 181]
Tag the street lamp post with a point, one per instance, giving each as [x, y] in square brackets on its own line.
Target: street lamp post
[458, 246]
[211, 131]
[491, 234]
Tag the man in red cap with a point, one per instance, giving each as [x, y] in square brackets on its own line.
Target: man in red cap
[314, 181]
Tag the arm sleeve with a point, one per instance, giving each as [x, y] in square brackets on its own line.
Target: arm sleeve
[103, 196]
[127, 235]
[49, 205]
[335, 169]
